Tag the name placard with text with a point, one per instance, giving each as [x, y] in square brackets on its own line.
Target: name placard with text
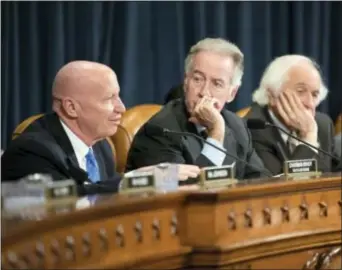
[218, 176]
[303, 168]
[138, 182]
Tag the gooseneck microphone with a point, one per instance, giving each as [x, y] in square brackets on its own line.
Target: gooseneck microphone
[261, 124]
[157, 130]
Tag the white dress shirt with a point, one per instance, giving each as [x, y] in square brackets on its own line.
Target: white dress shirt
[80, 148]
[214, 155]
[277, 122]
[283, 135]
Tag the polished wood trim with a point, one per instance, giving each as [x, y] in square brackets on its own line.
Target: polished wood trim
[261, 224]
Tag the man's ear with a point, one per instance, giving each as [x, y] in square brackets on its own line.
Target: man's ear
[232, 94]
[70, 107]
[185, 82]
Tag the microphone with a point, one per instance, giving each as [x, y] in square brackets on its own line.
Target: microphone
[261, 124]
[157, 130]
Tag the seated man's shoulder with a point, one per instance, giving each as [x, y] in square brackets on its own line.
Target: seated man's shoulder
[233, 120]
[323, 119]
[41, 123]
[256, 111]
[166, 117]
[232, 115]
[26, 154]
[33, 142]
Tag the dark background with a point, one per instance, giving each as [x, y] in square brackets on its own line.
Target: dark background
[146, 44]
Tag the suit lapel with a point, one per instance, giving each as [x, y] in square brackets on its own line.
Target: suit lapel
[230, 143]
[57, 131]
[68, 155]
[275, 137]
[192, 144]
[322, 158]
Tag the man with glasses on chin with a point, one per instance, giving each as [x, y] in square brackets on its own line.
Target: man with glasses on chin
[213, 73]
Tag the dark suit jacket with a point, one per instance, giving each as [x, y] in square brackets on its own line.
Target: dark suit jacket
[45, 148]
[272, 149]
[174, 93]
[147, 149]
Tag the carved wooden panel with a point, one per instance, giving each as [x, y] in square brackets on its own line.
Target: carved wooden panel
[87, 243]
[291, 225]
[279, 214]
[249, 222]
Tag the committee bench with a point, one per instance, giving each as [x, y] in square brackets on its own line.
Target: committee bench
[261, 224]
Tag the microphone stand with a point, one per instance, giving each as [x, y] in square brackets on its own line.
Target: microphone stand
[180, 133]
[304, 142]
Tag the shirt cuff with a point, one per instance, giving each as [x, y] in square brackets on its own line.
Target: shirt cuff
[214, 155]
[313, 149]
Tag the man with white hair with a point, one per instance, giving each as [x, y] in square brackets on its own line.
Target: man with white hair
[213, 72]
[290, 90]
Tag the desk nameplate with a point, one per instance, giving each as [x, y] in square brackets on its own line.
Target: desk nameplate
[139, 182]
[218, 176]
[300, 169]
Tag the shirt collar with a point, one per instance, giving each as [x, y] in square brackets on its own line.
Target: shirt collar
[277, 122]
[199, 128]
[80, 148]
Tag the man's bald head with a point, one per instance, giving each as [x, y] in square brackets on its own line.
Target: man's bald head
[75, 78]
[86, 97]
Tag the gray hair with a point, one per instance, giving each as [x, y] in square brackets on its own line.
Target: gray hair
[277, 73]
[220, 46]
